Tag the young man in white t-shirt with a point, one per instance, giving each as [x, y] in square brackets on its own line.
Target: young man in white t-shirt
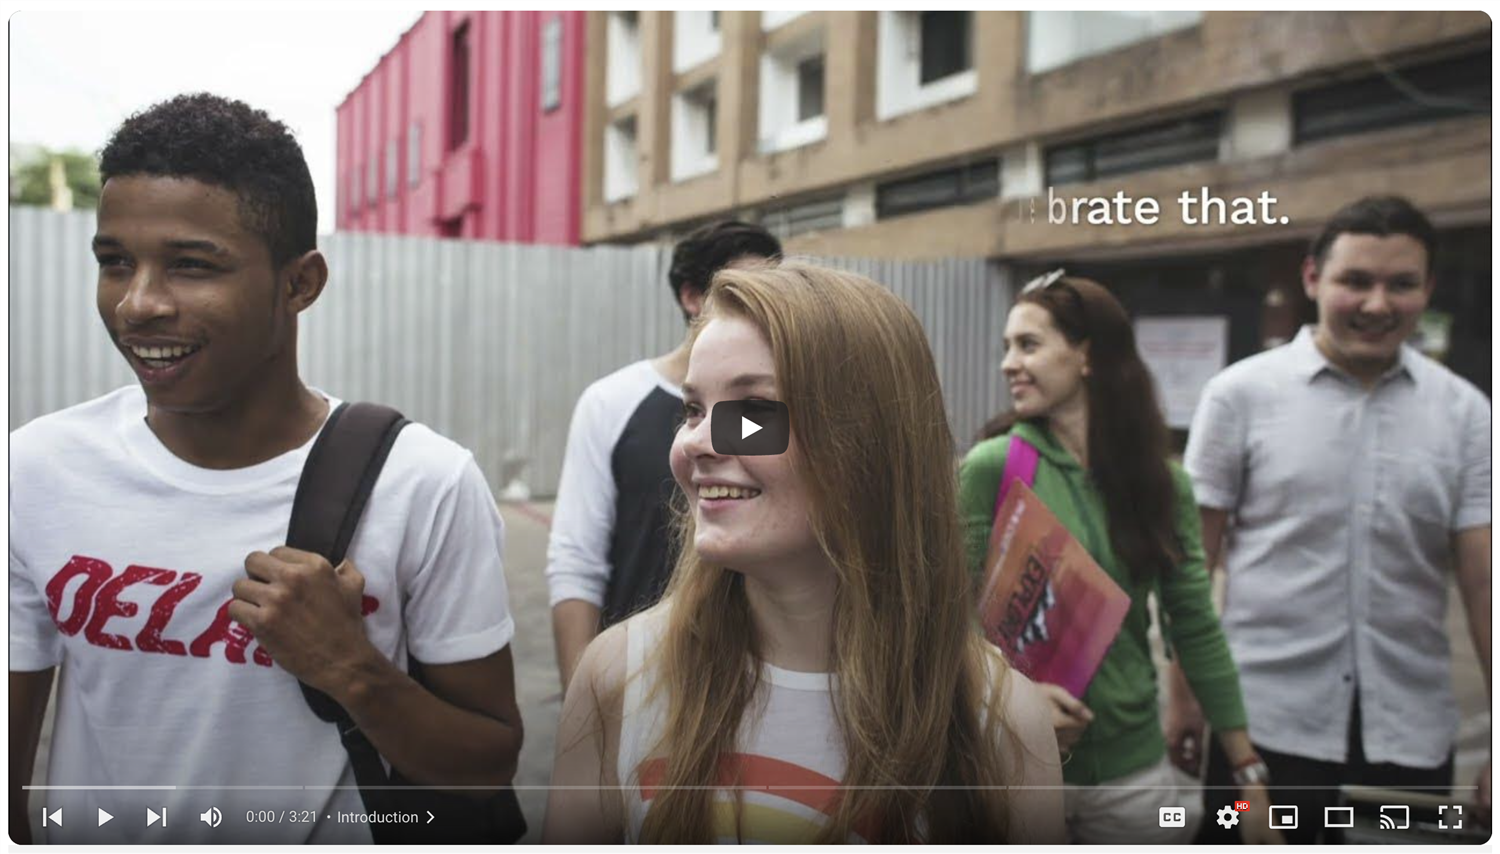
[145, 556]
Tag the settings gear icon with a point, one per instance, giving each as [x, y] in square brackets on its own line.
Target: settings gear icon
[1228, 817]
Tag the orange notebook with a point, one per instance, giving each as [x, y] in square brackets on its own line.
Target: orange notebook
[1046, 602]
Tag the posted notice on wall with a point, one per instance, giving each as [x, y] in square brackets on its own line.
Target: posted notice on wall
[1183, 353]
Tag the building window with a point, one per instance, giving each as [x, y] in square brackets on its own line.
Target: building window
[816, 215]
[458, 89]
[810, 88]
[708, 104]
[620, 160]
[695, 39]
[975, 182]
[923, 59]
[695, 114]
[1055, 39]
[1425, 93]
[945, 40]
[1187, 140]
[623, 55]
[414, 154]
[791, 94]
[392, 167]
[552, 36]
[372, 180]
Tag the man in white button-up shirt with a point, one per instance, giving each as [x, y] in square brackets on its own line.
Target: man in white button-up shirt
[1350, 474]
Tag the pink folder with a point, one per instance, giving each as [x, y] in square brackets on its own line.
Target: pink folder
[1045, 601]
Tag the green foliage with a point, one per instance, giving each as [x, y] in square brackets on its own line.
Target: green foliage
[31, 177]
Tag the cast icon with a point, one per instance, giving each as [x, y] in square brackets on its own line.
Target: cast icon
[1397, 817]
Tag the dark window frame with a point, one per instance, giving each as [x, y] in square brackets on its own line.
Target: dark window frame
[803, 65]
[459, 74]
[964, 184]
[1190, 139]
[1416, 94]
[936, 59]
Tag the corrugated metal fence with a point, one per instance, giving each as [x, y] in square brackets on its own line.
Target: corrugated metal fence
[488, 343]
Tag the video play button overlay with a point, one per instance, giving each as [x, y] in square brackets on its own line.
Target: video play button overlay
[751, 428]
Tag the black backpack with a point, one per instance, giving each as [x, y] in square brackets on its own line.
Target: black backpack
[337, 479]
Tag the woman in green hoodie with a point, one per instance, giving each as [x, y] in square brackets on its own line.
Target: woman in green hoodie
[1083, 399]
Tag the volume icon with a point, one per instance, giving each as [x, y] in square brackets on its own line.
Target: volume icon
[211, 817]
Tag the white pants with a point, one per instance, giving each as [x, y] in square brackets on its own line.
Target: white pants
[1125, 811]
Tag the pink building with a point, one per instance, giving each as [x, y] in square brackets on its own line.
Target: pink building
[469, 127]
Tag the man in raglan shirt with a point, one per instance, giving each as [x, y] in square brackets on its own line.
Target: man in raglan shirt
[146, 525]
[609, 554]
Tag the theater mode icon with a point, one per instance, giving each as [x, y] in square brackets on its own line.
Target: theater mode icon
[1338, 817]
[751, 428]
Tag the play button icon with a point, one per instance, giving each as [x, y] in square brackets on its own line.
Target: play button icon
[104, 817]
[750, 428]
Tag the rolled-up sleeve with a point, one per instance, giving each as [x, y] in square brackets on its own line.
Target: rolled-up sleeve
[35, 643]
[1192, 627]
[1215, 456]
[1473, 506]
[578, 549]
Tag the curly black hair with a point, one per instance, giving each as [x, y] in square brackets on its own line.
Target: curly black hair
[711, 248]
[231, 145]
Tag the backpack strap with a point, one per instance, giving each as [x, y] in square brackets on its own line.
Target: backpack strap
[1020, 465]
[337, 480]
[339, 476]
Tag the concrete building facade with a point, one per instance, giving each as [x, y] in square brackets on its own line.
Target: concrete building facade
[933, 134]
[469, 127]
